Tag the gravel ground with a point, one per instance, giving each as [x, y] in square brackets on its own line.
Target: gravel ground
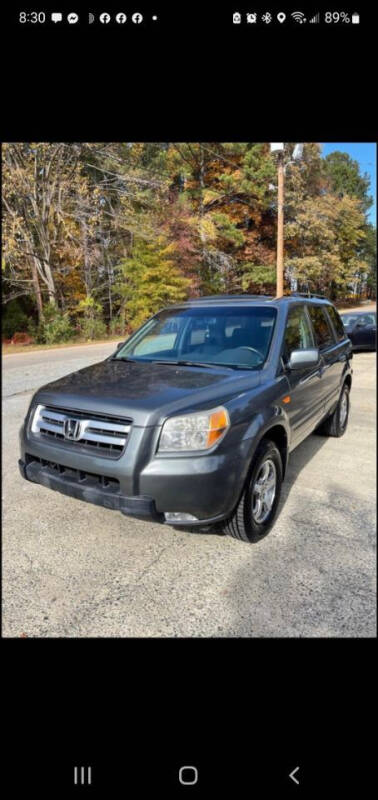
[74, 570]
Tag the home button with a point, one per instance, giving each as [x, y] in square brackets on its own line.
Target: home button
[188, 776]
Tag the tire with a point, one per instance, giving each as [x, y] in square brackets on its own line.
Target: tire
[246, 523]
[337, 423]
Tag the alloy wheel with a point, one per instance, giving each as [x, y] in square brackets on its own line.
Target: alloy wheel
[264, 491]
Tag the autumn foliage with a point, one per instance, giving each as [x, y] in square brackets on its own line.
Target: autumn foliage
[97, 237]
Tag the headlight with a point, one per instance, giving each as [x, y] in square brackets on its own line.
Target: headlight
[198, 431]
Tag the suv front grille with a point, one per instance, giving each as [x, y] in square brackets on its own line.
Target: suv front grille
[100, 433]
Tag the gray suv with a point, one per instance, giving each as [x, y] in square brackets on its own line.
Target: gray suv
[191, 421]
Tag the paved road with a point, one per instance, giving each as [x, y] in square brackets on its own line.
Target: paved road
[363, 307]
[74, 570]
[25, 372]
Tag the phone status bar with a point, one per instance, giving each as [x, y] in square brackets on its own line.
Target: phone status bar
[59, 18]
[269, 17]
[139, 18]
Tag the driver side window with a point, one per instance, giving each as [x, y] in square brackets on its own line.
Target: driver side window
[298, 335]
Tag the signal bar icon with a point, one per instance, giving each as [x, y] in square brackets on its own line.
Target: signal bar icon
[80, 778]
[315, 18]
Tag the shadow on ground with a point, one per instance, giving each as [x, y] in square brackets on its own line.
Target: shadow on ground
[317, 582]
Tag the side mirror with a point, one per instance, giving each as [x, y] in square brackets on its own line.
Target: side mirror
[300, 359]
[120, 345]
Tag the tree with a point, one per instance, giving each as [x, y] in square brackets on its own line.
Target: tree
[37, 178]
[180, 228]
[95, 229]
[227, 186]
[150, 280]
[368, 254]
[257, 279]
[344, 178]
[324, 243]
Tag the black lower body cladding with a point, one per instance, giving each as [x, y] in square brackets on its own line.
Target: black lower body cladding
[207, 487]
[90, 488]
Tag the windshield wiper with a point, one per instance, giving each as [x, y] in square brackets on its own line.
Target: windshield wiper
[184, 363]
[123, 358]
[205, 364]
[240, 366]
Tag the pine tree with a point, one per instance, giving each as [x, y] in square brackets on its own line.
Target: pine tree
[150, 280]
[344, 178]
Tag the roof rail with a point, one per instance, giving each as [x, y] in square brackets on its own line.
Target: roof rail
[309, 294]
[216, 297]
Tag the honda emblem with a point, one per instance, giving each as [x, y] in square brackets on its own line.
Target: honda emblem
[72, 429]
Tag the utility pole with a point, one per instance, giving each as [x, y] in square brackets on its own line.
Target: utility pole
[280, 221]
[278, 147]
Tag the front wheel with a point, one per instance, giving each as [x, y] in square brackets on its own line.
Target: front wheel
[257, 507]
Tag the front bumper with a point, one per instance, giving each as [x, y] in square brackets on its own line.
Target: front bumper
[142, 483]
[141, 507]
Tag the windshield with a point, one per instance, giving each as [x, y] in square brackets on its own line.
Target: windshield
[225, 336]
[363, 319]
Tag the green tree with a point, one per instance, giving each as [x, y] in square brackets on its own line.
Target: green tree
[258, 279]
[368, 254]
[91, 324]
[150, 280]
[344, 177]
[13, 319]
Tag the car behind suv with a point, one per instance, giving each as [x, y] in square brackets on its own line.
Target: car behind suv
[361, 329]
[191, 421]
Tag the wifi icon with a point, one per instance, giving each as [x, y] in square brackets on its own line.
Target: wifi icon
[299, 16]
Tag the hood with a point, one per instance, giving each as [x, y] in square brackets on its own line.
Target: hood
[144, 391]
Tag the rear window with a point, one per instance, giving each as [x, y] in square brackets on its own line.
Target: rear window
[337, 323]
[323, 334]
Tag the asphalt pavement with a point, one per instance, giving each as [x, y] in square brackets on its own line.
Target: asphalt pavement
[71, 569]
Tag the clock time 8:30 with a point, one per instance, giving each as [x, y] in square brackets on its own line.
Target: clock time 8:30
[32, 16]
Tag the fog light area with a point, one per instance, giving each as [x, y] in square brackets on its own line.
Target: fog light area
[179, 516]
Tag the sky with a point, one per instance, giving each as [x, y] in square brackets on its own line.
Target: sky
[366, 155]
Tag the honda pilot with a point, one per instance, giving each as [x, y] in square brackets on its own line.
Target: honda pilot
[191, 421]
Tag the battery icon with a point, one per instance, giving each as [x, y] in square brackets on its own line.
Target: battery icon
[355, 18]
